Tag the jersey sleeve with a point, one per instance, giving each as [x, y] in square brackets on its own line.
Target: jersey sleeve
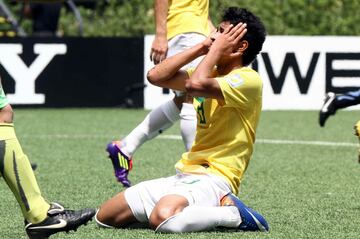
[240, 89]
[190, 71]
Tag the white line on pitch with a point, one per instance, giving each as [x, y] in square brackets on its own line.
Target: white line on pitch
[302, 142]
[280, 141]
[178, 137]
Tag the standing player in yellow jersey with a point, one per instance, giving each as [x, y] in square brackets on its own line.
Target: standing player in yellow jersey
[201, 196]
[180, 24]
[41, 218]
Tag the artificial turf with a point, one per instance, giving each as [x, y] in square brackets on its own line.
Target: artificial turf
[304, 179]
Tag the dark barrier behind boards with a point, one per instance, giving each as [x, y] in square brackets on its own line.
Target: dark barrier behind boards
[73, 72]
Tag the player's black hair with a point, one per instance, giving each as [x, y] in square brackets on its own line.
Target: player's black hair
[255, 34]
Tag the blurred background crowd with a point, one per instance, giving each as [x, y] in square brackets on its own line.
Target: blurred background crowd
[135, 18]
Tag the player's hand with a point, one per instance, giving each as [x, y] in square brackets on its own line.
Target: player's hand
[159, 49]
[227, 41]
[208, 42]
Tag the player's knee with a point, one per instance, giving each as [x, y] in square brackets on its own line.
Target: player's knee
[109, 219]
[177, 224]
[6, 114]
[160, 214]
[103, 219]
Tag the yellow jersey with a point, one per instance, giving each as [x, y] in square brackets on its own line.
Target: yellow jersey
[225, 132]
[186, 16]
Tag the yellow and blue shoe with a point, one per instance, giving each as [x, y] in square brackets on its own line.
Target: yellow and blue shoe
[250, 219]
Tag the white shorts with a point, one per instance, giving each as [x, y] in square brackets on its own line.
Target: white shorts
[198, 189]
[181, 42]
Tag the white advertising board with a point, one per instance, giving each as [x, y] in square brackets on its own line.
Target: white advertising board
[297, 71]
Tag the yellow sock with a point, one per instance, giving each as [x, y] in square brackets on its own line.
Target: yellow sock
[18, 174]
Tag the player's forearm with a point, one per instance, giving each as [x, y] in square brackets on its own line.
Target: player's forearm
[201, 83]
[170, 66]
[161, 10]
[206, 66]
[177, 82]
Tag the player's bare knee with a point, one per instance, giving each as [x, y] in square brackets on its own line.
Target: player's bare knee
[106, 218]
[6, 114]
[167, 207]
[103, 219]
[160, 214]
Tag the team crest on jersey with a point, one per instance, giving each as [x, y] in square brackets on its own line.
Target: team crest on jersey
[234, 80]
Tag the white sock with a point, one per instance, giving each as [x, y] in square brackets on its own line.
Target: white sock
[158, 120]
[197, 218]
[188, 124]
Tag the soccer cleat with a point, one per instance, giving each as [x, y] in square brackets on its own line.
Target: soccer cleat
[58, 220]
[250, 219]
[121, 162]
[328, 108]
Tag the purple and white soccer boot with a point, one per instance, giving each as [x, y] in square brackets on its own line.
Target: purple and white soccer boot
[121, 162]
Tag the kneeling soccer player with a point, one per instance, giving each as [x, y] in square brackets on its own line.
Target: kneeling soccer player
[41, 218]
[228, 99]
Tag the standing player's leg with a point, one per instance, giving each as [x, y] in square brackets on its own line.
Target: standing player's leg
[187, 118]
[188, 124]
[184, 102]
[121, 152]
[42, 219]
[348, 99]
[159, 119]
[334, 102]
[18, 174]
[38, 213]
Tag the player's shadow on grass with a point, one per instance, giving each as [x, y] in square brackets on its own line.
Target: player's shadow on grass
[145, 226]
[138, 225]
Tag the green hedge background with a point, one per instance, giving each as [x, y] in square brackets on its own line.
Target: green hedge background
[281, 17]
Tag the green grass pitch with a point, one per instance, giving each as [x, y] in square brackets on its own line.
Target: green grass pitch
[304, 179]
